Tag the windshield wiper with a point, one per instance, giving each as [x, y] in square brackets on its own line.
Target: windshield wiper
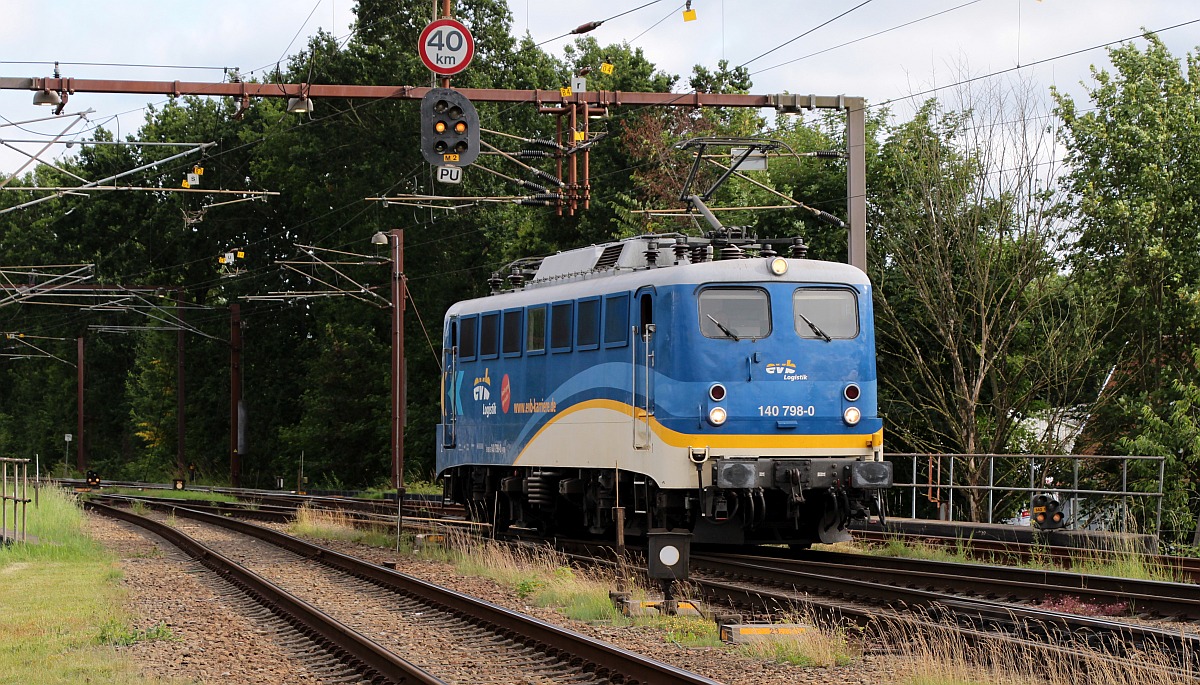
[814, 328]
[721, 326]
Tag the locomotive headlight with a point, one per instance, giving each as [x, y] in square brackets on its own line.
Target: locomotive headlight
[717, 416]
[779, 266]
[851, 415]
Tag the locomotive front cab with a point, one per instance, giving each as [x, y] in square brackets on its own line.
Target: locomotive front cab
[790, 441]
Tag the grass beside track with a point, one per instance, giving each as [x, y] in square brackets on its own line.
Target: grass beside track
[61, 604]
[1120, 563]
[200, 495]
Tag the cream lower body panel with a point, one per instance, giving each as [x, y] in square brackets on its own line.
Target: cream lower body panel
[600, 435]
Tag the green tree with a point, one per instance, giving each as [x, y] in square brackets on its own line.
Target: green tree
[976, 327]
[1133, 183]
[152, 390]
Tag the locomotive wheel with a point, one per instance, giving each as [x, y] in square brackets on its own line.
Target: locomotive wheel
[830, 530]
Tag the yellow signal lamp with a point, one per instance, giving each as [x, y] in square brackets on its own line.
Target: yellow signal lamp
[439, 127]
[460, 127]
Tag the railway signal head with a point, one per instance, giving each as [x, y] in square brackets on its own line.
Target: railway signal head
[1047, 513]
[449, 128]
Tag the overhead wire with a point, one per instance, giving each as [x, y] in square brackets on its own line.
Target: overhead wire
[793, 40]
[583, 28]
[1033, 64]
[668, 99]
[655, 24]
[873, 35]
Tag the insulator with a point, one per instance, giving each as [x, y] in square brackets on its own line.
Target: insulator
[700, 254]
[827, 154]
[651, 253]
[532, 154]
[681, 250]
[534, 186]
[731, 252]
[495, 282]
[547, 197]
[553, 179]
[799, 249]
[530, 202]
[545, 142]
[590, 26]
[828, 218]
[516, 279]
[767, 251]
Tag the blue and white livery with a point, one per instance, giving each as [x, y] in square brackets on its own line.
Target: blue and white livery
[703, 384]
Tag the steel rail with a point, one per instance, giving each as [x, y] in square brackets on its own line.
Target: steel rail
[1175, 600]
[375, 660]
[618, 664]
[1048, 627]
[1186, 567]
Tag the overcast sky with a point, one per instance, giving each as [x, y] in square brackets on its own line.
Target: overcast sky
[896, 47]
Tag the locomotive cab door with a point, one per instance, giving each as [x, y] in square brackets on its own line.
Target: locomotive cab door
[449, 391]
[643, 368]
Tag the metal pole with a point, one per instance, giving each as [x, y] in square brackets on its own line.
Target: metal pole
[856, 184]
[1124, 488]
[446, 13]
[180, 422]
[991, 484]
[235, 394]
[80, 454]
[398, 297]
[1162, 474]
[1075, 489]
[25, 500]
[1031, 487]
[914, 487]
[950, 497]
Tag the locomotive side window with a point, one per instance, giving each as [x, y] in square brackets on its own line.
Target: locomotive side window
[821, 312]
[535, 330]
[647, 309]
[510, 341]
[735, 313]
[587, 335]
[616, 320]
[489, 335]
[467, 327]
[560, 326]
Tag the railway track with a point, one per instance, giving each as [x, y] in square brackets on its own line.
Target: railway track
[772, 586]
[1186, 569]
[348, 652]
[1147, 599]
[381, 603]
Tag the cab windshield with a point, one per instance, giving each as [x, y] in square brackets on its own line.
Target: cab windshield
[735, 313]
[825, 313]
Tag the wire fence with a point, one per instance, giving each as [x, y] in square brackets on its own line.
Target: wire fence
[14, 489]
[1094, 489]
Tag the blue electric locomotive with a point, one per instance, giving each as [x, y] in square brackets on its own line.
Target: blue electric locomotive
[703, 384]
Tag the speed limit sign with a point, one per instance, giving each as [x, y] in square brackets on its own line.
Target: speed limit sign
[446, 47]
